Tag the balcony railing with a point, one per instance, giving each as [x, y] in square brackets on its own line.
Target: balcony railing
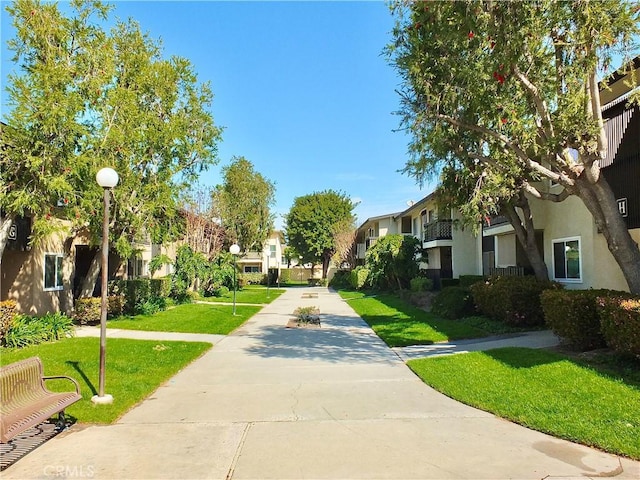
[438, 230]
[495, 220]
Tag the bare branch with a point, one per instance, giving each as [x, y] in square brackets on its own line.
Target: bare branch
[538, 101]
[553, 197]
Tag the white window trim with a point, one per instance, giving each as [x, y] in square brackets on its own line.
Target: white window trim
[44, 272]
[567, 239]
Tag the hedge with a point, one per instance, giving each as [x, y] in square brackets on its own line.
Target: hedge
[453, 303]
[620, 321]
[87, 309]
[420, 284]
[573, 316]
[512, 300]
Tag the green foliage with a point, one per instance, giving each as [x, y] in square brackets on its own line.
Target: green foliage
[449, 282]
[252, 278]
[358, 277]
[27, 330]
[307, 315]
[244, 200]
[91, 91]
[620, 320]
[157, 262]
[513, 300]
[497, 96]
[8, 314]
[453, 303]
[393, 261]
[573, 316]
[189, 265]
[341, 279]
[140, 294]
[468, 280]
[311, 222]
[421, 284]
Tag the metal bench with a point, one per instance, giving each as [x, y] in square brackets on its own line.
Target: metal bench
[26, 402]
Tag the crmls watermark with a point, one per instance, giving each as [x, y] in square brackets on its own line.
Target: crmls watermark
[69, 471]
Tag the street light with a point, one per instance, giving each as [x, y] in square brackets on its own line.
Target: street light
[107, 178]
[234, 250]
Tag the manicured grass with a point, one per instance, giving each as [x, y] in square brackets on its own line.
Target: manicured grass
[134, 369]
[189, 318]
[545, 391]
[250, 294]
[400, 324]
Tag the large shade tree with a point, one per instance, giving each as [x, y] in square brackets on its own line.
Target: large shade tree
[244, 201]
[502, 98]
[312, 222]
[83, 97]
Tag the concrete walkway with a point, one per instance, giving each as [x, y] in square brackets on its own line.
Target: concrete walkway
[332, 403]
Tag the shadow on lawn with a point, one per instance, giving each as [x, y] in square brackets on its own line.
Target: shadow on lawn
[76, 367]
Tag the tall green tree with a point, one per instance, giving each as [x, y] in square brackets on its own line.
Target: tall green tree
[503, 97]
[311, 223]
[85, 97]
[393, 261]
[244, 202]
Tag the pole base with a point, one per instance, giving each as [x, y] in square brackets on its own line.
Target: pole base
[106, 399]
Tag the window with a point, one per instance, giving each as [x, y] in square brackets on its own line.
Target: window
[272, 251]
[251, 269]
[53, 271]
[406, 225]
[567, 264]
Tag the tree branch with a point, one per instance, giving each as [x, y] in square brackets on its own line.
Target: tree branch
[539, 103]
[553, 197]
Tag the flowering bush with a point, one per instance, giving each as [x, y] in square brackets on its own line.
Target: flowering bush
[620, 321]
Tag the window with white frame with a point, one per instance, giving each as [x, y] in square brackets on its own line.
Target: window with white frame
[272, 251]
[53, 271]
[251, 269]
[567, 261]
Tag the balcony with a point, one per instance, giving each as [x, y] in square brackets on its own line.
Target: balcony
[438, 230]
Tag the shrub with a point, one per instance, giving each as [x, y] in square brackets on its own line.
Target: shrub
[28, 330]
[358, 277]
[139, 292]
[420, 284]
[453, 303]
[285, 275]
[512, 300]
[87, 310]
[620, 320]
[341, 279]
[449, 282]
[468, 280]
[573, 316]
[221, 291]
[8, 313]
[251, 279]
[307, 315]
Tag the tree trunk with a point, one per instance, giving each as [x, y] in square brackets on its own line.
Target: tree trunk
[5, 225]
[526, 235]
[89, 281]
[601, 203]
[326, 258]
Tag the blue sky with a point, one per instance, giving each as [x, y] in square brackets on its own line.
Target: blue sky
[301, 88]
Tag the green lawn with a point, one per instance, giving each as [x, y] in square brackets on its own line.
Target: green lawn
[250, 294]
[134, 369]
[399, 323]
[189, 318]
[545, 391]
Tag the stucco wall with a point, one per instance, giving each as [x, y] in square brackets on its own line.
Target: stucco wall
[465, 251]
